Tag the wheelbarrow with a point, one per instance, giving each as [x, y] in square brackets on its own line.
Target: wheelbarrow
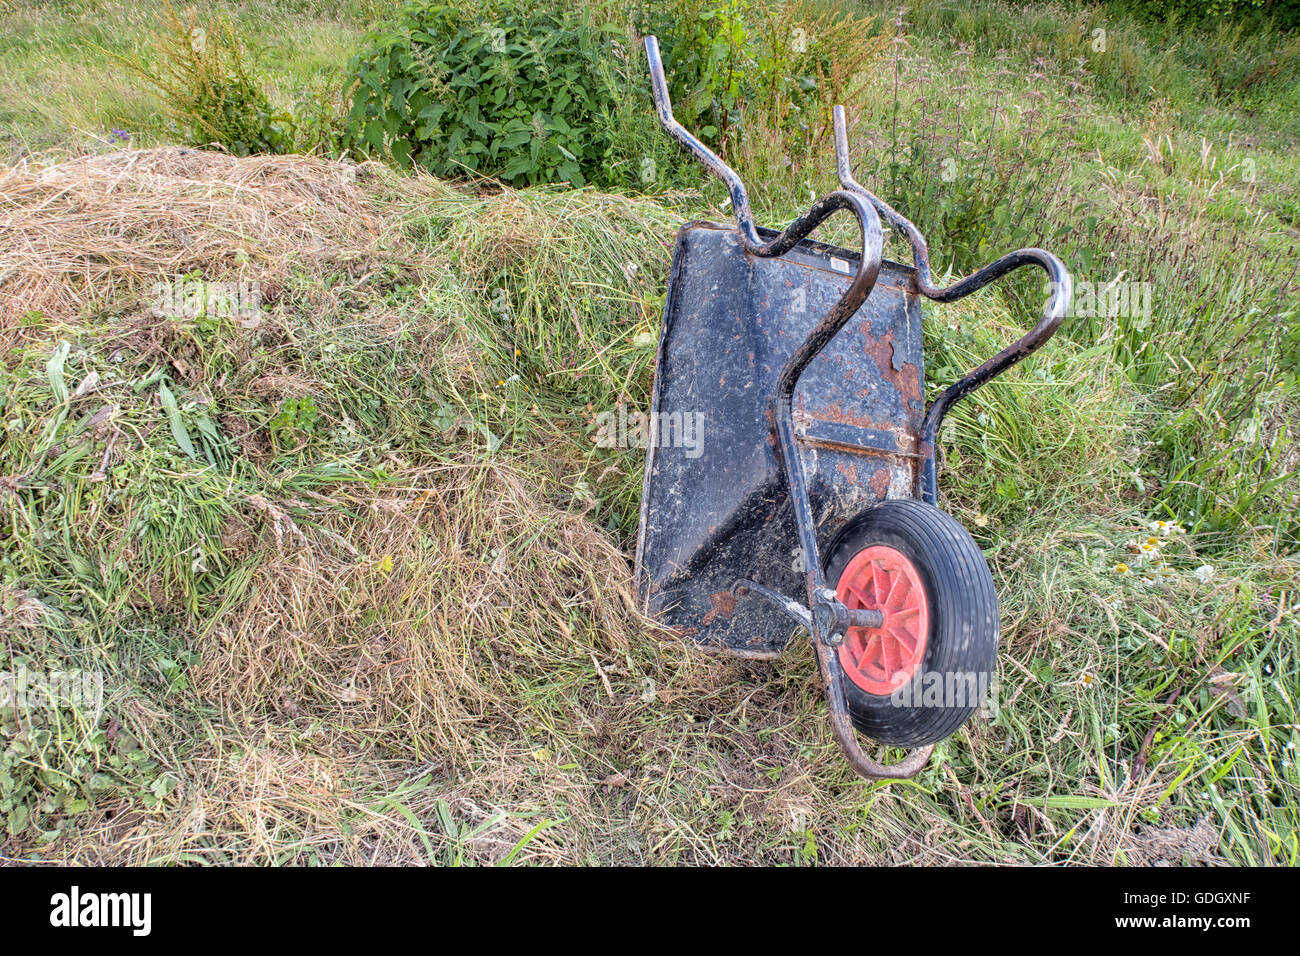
[790, 479]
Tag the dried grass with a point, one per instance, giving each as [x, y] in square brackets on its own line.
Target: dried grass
[1174, 846]
[80, 232]
[417, 613]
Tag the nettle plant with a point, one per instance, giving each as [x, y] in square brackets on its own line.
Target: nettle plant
[505, 92]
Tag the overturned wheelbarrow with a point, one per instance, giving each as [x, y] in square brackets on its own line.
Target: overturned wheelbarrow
[790, 474]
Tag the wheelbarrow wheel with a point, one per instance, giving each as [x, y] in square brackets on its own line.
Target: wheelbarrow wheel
[919, 677]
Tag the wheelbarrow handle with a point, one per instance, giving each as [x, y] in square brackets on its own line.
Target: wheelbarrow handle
[707, 157]
[749, 235]
[1054, 310]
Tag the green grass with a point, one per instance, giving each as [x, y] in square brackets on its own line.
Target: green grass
[358, 580]
[64, 88]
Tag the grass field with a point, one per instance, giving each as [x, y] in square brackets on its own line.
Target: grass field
[358, 582]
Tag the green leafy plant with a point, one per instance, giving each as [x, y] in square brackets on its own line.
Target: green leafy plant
[1285, 13]
[208, 86]
[319, 118]
[708, 61]
[510, 93]
[734, 65]
[57, 760]
[294, 422]
[756, 80]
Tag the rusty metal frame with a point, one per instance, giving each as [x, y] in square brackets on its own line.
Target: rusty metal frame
[1054, 310]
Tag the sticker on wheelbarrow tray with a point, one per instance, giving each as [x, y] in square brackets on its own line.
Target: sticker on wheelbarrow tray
[715, 506]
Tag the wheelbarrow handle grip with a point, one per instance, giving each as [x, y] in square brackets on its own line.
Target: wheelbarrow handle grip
[710, 160]
[707, 157]
[1061, 293]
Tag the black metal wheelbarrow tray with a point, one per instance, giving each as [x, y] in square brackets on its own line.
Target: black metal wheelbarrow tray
[791, 478]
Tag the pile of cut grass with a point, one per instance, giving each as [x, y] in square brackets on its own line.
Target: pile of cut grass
[80, 233]
[394, 624]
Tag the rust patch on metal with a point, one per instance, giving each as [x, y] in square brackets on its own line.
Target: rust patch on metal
[853, 449]
[724, 603]
[849, 470]
[881, 349]
[909, 383]
[880, 483]
[836, 414]
[906, 379]
[771, 426]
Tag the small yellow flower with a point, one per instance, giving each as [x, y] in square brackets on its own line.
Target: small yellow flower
[1121, 568]
[1087, 680]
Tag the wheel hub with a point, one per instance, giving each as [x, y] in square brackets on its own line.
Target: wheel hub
[881, 660]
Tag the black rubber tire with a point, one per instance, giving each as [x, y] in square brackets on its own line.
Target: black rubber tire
[964, 621]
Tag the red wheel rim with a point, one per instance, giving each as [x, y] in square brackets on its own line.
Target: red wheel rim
[881, 660]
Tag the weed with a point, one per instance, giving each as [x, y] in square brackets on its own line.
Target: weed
[201, 69]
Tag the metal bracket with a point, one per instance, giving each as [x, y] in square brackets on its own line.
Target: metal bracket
[833, 619]
[829, 617]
